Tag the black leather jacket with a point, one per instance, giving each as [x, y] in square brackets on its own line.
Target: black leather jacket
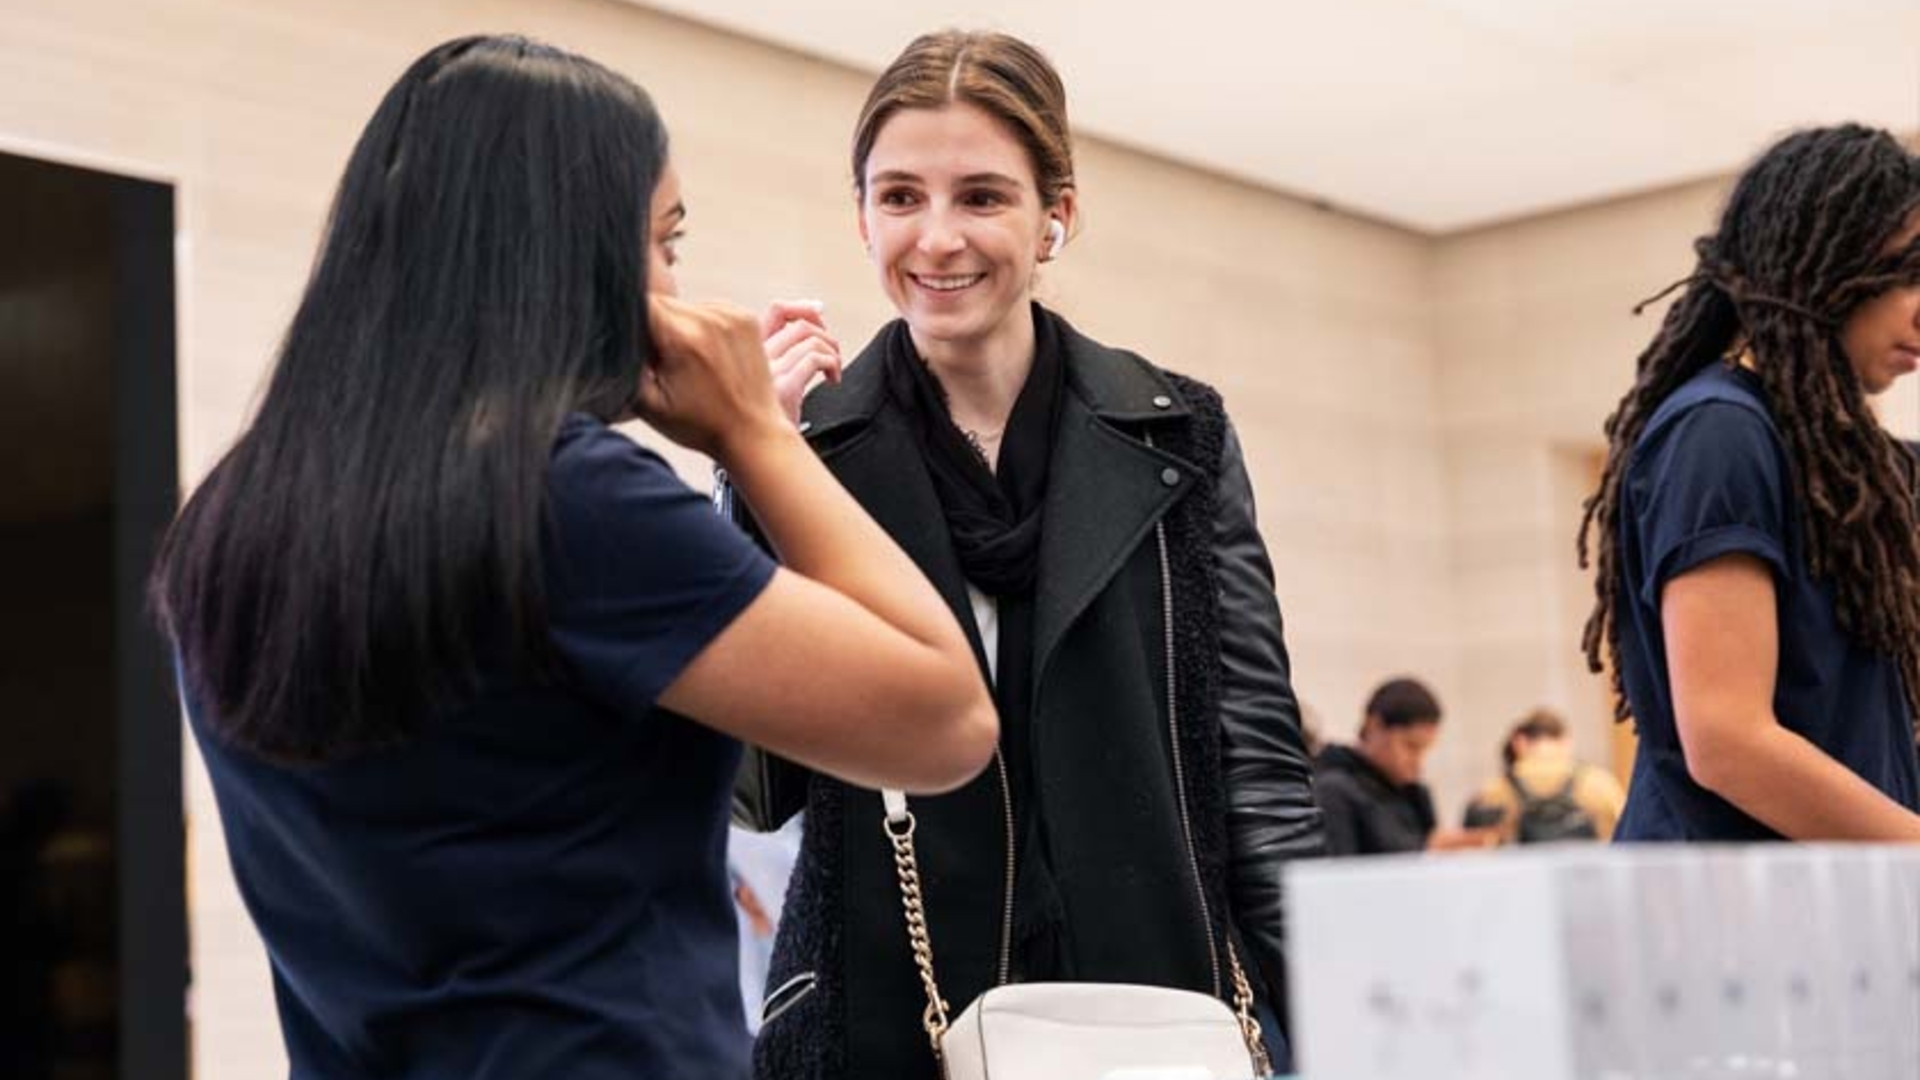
[1272, 817]
[1270, 813]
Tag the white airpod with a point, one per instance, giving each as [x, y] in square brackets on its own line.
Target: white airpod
[1059, 233]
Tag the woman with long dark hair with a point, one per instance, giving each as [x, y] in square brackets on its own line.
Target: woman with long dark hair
[1758, 586]
[1088, 517]
[466, 665]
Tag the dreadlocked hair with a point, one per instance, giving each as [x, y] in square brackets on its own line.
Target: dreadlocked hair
[1799, 246]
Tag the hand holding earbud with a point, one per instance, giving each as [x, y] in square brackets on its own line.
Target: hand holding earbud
[798, 347]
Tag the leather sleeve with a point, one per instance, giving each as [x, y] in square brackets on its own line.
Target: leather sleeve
[1271, 813]
[768, 789]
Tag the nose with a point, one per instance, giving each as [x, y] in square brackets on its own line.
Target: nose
[941, 235]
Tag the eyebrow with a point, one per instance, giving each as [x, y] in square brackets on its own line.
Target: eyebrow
[676, 212]
[990, 179]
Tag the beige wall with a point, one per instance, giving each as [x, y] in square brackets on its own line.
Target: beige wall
[1315, 327]
[1533, 326]
[1418, 414]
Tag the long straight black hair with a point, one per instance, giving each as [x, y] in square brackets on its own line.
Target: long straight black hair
[375, 533]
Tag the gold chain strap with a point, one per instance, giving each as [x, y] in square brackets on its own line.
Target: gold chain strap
[1243, 1008]
[934, 1017]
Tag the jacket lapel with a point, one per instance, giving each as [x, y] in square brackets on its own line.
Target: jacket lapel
[1106, 488]
[882, 468]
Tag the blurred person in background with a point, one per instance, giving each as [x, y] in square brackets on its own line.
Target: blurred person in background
[760, 865]
[1372, 792]
[1544, 795]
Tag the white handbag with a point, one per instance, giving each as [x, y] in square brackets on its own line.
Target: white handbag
[1074, 1030]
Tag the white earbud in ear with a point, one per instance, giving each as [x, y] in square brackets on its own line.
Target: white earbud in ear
[1058, 232]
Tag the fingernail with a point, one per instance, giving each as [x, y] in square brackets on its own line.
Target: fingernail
[817, 305]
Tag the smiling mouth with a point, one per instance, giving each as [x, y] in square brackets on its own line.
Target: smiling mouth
[946, 282]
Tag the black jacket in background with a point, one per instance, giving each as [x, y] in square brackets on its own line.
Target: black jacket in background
[1366, 813]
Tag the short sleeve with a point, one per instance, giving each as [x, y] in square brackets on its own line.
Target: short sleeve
[1710, 484]
[642, 573]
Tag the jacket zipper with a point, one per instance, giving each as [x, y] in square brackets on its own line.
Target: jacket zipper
[1006, 915]
[786, 996]
[1173, 743]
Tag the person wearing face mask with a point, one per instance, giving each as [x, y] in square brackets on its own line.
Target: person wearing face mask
[469, 669]
[1757, 537]
[1087, 516]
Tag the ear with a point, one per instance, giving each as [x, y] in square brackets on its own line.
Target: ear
[860, 218]
[1066, 207]
[1056, 240]
[1064, 210]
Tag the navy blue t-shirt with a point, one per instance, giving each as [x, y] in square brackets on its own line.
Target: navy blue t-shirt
[1709, 477]
[537, 886]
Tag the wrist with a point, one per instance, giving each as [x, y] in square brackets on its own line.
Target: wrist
[753, 438]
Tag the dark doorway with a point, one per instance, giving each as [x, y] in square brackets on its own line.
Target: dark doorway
[93, 958]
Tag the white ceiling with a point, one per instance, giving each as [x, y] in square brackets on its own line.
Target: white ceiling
[1437, 115]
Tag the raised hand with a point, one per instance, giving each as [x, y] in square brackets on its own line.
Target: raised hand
[708, 385]
[798, 349]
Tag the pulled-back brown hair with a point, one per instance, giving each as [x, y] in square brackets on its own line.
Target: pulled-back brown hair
[1798, 248]
[1003, 76]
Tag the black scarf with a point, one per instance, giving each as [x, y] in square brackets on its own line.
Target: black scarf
[992, 515]
[994, 519]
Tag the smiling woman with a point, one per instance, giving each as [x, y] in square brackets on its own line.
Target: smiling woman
[955, 223]
[1089, 520]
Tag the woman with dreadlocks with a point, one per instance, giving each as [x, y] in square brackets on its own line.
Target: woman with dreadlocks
[1759, 558]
